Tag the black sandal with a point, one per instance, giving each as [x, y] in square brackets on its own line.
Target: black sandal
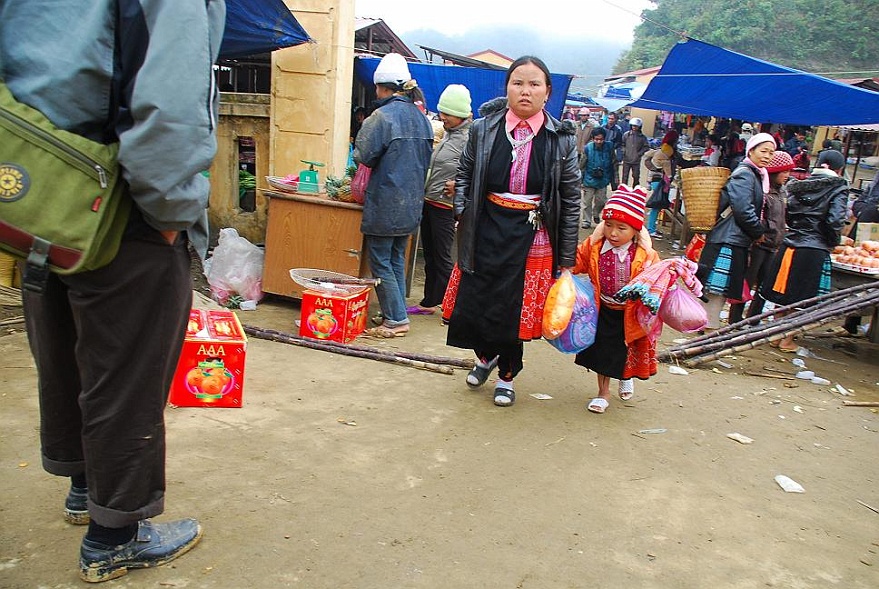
[504, 397]
[480, 374]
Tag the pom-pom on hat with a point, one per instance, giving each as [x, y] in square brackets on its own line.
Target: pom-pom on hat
[455, 101]
[392, 69]
[781, 161]
[626, 205]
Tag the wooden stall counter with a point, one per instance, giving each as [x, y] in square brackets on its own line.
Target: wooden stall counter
[310, 231]
[846, 277]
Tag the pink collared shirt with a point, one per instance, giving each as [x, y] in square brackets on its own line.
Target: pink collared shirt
[535, 121]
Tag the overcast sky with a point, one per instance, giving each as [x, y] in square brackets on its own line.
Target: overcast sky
[612, 19]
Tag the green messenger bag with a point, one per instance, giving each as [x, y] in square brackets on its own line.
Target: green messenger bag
[63, 203]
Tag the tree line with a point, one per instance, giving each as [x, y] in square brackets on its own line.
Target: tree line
[821, 37]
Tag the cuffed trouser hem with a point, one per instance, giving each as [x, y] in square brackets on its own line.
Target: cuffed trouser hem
[63, 468]
[112, 518]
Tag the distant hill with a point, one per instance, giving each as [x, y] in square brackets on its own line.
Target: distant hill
[591, 59]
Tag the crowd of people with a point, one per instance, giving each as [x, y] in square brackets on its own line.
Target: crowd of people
[514, 186]
[511, 189]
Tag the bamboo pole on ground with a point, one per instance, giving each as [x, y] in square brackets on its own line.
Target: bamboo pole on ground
[735, 338]
[816, 300]
[440, 364]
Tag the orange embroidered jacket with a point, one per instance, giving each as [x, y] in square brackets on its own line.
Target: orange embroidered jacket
[587, 263]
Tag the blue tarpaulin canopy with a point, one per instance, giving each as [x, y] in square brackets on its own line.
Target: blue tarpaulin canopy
[484, 84]
[259, 26]
[702, 79]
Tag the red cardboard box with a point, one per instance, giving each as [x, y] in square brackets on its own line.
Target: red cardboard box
[336, 317]
[210, 372]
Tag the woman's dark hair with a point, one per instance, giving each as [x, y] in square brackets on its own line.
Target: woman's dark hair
[524, 60]
[413, 92]
[715, 139]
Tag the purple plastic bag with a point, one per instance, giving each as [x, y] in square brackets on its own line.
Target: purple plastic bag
[580, 332]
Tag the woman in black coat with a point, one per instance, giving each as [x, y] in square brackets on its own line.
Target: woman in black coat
[816, 210]
[725, 256]
[517, 201]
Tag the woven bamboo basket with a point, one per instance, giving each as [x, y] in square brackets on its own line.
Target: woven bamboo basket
[701, 193]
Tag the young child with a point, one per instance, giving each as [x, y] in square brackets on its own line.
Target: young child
[616, 252]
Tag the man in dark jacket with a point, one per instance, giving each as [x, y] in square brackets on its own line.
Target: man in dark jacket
[106, 341]
[613, 135]
[634, 147]
[396, 141]
[796, 144]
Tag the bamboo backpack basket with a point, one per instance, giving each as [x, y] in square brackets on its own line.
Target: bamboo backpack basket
[701, 188]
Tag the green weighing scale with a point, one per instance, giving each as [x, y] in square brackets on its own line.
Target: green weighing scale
[308, 180]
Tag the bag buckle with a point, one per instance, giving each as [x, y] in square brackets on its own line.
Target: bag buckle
[36, 271]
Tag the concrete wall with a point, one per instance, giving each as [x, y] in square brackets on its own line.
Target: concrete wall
[306, 117]
[241, 115]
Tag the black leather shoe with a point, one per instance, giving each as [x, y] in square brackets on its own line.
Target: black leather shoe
[76, 510]
[478, 375]
[153, 545]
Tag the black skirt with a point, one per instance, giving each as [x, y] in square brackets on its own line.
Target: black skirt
[607, 356]
[489, 301]
[807, 276]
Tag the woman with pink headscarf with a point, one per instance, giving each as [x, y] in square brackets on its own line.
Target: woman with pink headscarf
[739, 225]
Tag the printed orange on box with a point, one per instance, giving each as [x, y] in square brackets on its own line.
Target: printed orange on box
[210, 371]
[333, 317]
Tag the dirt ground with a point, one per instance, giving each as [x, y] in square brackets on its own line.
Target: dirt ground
[341, 472]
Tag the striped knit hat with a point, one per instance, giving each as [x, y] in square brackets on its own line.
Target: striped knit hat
[626, 205]
[781, 161]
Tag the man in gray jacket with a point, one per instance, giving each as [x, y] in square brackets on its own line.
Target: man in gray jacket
[106, 341]
[437, 218]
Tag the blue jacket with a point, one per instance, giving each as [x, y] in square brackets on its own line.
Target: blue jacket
[111, 69]
[396, 141]
[603, 159]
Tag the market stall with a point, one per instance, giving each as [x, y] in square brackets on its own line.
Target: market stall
[310, 230]
[854, 265]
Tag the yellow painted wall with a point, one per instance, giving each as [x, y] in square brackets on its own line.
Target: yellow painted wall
[311, 91]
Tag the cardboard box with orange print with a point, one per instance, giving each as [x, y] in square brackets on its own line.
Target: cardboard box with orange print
[333, 317]
[210, 372]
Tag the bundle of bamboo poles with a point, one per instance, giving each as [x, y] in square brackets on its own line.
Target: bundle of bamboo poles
[788, 320]
[441, 364]
[10, 296]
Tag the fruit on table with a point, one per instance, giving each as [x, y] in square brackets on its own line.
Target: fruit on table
[865, 255]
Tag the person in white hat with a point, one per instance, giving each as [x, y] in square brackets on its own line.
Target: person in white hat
[634, 147]
[438, 218]
[395, 141]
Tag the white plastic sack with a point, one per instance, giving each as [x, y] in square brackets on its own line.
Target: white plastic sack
[235, 268]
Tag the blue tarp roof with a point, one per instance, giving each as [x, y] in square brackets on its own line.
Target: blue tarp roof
[262, 26]
[702, 79]
[484, 84]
